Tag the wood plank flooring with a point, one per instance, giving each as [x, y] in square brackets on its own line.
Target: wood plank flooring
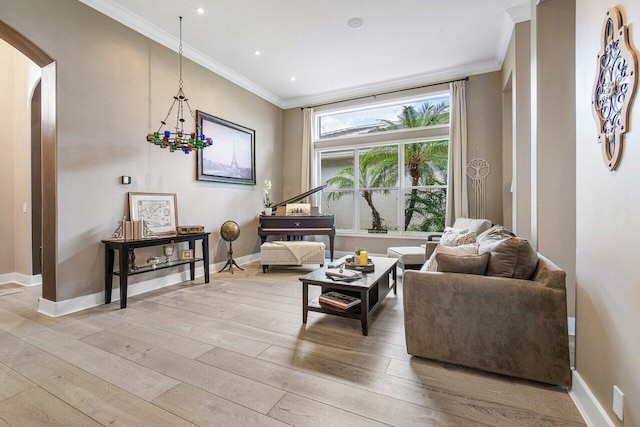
[234, 352]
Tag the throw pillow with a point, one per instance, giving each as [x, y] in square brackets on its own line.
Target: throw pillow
[475, 225]
[513, 257]
[455, 230]
[494, 234]
[432, 264]
[454, 237]
[466, 264]
[458, 239]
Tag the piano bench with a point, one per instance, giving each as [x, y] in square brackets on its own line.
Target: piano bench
[277, 254]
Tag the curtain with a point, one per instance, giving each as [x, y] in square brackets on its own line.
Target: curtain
[307, 140]
[457, 202]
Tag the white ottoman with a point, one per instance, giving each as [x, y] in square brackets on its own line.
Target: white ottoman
[410, 257]
[278, 254]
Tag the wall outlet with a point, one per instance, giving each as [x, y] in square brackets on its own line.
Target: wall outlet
[618, 402]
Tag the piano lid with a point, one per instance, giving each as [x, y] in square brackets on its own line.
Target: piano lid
[300, 196]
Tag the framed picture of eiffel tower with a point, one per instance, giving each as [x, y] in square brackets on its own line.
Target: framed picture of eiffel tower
[231, 158]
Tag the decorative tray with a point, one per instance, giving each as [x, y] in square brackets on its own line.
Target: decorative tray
[368, 268]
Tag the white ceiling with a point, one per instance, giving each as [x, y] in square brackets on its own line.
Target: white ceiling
[403, 43]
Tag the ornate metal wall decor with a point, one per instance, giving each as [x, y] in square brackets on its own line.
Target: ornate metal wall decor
[614, 87]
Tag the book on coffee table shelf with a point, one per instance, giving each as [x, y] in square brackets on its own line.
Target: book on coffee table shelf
[337, 300]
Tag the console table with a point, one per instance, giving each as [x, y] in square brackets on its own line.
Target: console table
[125, 246]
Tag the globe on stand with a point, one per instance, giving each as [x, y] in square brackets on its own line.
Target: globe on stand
[229, 232]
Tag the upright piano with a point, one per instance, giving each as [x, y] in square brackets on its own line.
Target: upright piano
[296, 226]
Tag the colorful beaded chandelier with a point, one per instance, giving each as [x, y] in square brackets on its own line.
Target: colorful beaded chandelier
[179, 140]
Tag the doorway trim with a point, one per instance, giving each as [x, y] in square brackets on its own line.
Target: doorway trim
[49, 156]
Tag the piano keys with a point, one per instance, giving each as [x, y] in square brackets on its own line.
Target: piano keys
[298, 226]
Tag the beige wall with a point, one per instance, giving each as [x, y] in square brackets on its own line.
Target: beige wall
[7, 263]
[18, 77]
[516, 82]
[607, 232]
[521, 143]
[484, 134]
[554, 147]
[484, 129]
[114, 86]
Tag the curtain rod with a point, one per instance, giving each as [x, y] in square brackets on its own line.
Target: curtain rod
[386, 93]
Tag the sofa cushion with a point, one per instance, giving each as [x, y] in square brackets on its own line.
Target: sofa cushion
[466, 264]
[494, 234]
[432, 264]
[475, 225]
[513, 257]
[451, 237]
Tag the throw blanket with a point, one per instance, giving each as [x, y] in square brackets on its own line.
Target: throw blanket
[301, 250]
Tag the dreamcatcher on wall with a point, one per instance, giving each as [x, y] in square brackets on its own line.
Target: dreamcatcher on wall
[477, 170]
[614, 87]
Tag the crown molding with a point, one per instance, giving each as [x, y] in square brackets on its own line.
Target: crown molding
[144, 27]
[397, 84]
[511, 17]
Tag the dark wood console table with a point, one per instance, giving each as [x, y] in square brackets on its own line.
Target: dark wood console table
[125, 246]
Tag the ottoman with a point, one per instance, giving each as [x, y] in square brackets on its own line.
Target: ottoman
[410, 257]
[291, 253]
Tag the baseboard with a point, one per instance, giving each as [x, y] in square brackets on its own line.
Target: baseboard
[593, 413]
[60, 308]
[21, 279]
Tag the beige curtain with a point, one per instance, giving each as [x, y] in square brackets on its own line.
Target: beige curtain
[307, 140]
[457, 202]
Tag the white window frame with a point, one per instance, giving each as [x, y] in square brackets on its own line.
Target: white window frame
[398, 137]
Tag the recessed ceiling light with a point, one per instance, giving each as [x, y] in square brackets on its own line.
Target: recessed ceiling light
[256, 52]
[292, 78]
[200, 11]
[355, 23]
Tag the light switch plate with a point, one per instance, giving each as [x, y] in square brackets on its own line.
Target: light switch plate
[618, 402]
[125, 180]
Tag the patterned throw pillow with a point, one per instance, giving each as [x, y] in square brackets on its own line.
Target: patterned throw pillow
[450, 237]
[432, 264]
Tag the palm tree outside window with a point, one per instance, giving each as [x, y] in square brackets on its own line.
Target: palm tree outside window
[387, 199]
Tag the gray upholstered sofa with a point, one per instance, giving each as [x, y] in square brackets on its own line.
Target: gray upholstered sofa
[508, 326]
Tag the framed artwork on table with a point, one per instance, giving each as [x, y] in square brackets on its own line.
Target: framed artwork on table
[186, 254]
[231, 158]
[159, 210]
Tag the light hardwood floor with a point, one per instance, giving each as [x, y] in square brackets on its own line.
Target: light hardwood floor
[234, 352]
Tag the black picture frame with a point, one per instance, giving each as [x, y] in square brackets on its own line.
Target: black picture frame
[231, 158]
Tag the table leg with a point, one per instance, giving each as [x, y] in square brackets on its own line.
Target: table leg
[305, 301]
[331, 247]
[109, 257]
[395, 280]
[192, 264]
[364, 311]
[205, 257]
[124, 276]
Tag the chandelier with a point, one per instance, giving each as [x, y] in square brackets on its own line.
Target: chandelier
[178, 140]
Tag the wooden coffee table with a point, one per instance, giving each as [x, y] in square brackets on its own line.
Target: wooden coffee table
[372, 288]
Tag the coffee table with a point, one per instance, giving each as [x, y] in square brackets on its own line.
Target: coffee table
[371, 288]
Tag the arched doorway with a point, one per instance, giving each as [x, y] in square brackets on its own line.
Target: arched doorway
[48, 168]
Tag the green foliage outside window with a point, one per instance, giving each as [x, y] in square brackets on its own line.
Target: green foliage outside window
[425, 165]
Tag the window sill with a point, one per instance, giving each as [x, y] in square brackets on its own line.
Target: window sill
[391, 235]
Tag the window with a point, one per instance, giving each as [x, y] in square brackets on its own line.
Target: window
[385, 166]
